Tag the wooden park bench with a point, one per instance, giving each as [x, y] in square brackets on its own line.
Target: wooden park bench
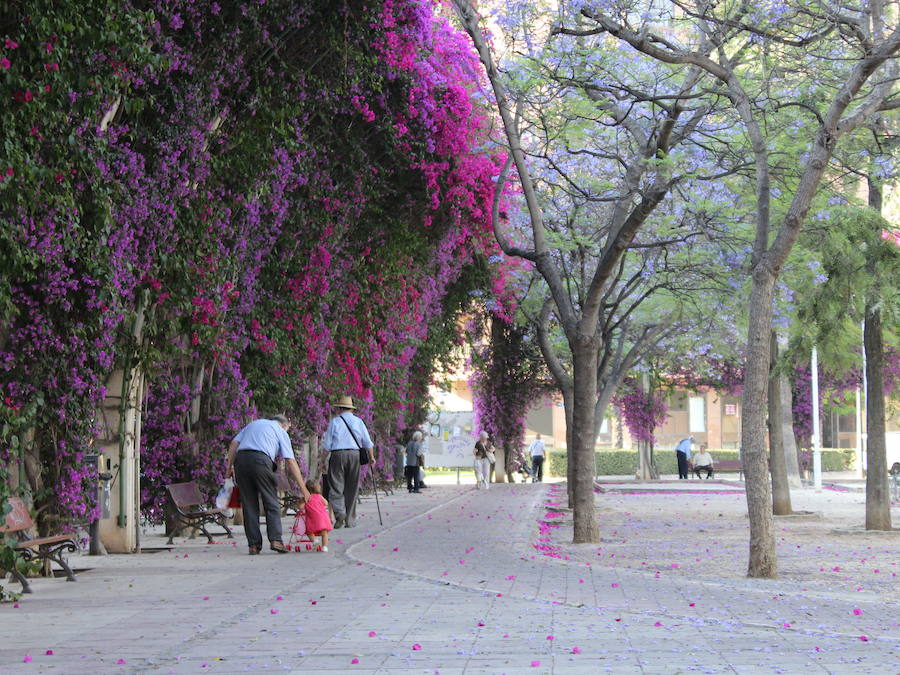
[45, 549]
[730, 465]
[189, 509]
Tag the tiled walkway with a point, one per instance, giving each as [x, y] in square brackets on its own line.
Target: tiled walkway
[466, 581]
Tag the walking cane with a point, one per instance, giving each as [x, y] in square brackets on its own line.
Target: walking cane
[375, 487]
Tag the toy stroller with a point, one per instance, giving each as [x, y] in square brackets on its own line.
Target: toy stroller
[298, 533]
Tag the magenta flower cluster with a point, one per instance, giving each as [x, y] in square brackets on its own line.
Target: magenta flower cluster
[276, 196]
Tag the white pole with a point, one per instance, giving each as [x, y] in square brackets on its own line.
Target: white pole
[817, 448]
[865, 393]
[859, 452]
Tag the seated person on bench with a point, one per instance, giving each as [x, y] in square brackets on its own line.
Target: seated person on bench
[703, 461]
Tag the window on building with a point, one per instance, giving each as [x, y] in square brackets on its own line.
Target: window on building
[697, 414]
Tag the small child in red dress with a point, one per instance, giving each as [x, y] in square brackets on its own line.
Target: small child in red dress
[318, 522]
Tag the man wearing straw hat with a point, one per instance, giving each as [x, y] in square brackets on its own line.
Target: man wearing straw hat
[345, 436]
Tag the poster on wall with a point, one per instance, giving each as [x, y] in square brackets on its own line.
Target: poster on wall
[449, 439]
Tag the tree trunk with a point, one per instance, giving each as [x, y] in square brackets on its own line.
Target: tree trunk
[781, 492]
[763, 561]
[584, 367]
[878, 498]
[788, 439]
[878, 501]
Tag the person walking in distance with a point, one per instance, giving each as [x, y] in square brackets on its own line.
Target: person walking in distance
[413, 461]
[483, 452]
[683, 455]
[536, 449]
[345, 436]
[251, 460]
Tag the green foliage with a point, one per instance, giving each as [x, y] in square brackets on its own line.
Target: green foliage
[857, 265]
[624, 462]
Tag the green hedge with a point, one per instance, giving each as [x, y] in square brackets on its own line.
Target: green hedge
[624, 462]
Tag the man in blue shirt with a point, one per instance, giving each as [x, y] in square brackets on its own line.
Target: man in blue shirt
[345, 436]
[683, 455]
[251, 458]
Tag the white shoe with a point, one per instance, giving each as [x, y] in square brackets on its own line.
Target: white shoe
[324, 549]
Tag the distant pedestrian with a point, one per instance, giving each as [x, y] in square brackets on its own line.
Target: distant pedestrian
[345, 435]
[483, 452]
[252, 459]
[318, 522]
[536, 449]
[703, 461]
[683, 455]
[414, 456]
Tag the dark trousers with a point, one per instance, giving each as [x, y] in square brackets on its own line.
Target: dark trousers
[537, 469]
[707, 469]
[682, 464]
[412, 478]
[255, 477]
[343, 480]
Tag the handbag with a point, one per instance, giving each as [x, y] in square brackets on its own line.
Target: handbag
[490, 456]
[235, 500]
[363, 453]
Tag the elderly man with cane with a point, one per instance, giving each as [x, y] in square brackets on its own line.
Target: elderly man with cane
[251, 459]
[345, 439]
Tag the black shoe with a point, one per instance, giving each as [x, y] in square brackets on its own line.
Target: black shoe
[415, 492]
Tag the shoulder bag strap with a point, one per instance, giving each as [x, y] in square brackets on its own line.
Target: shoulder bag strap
[352, 435]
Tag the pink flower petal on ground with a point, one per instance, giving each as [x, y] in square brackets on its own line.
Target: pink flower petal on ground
[674, 566]
[511, 577]
[691, 604]
[417, 647]
[481, 623]
[615, 585]
[206, 597]
[120, 662]
[279, 598]
[581, 581]
[786, 624]
[16, 606]
[372, 633]
[273, 611]
[857, 611]
[49, 652]
[27, 659]
[535, 664]
[550, 637]
[313, 602]
[576, 650]
[354, 660]
[658, 623]
[506, 635]
[863, 638]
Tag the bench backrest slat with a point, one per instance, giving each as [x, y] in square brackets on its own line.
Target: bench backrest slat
[18, 519]
[185, 494]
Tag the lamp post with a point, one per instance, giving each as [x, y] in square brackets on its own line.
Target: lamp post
[817, 448]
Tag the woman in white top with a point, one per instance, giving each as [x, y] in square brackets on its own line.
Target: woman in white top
[482, 460]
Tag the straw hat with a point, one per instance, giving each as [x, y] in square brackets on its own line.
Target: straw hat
[345, 402]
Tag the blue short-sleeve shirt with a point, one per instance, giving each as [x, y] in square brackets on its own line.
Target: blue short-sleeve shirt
[267, 436]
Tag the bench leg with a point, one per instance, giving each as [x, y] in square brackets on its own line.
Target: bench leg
[26, 587]
[55, 553]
